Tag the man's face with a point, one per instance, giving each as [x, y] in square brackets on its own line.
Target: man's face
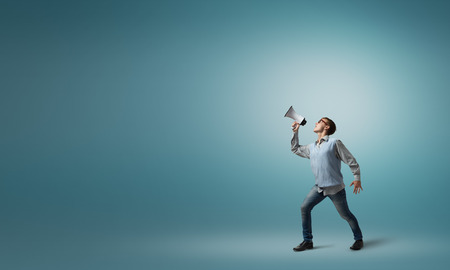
[320, 126]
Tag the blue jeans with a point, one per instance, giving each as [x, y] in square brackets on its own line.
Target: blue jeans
[340, 202]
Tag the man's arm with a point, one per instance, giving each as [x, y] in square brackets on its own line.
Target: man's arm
[345, 155]
[301, 150]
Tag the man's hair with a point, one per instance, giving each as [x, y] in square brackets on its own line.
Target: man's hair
[330, 123]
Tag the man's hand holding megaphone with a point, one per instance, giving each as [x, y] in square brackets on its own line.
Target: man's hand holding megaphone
[299, 120]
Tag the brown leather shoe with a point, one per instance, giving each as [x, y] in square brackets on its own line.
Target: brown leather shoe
[357, 245]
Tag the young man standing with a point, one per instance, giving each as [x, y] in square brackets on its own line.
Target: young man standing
[326, 155]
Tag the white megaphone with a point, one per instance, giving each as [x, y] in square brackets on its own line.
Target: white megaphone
[297, 117]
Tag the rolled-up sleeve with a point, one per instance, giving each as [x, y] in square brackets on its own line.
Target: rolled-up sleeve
[346, 157]
[300, 150]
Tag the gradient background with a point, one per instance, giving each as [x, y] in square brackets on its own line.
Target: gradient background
[150, 134]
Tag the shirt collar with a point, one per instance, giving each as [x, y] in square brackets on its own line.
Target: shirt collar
[324, 138]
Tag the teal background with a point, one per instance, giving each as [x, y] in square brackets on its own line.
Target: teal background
[150, 134]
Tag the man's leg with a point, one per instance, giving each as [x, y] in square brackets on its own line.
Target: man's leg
[340, 202]
[311, 200]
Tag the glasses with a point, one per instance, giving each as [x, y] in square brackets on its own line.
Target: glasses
[321, 120]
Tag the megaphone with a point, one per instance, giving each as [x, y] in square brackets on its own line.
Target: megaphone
[297, 117]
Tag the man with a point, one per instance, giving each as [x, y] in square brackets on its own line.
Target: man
[326, 155]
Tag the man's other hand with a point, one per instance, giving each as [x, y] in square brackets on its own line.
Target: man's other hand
[358, 186]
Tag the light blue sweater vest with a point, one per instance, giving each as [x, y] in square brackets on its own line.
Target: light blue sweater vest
[325, 165]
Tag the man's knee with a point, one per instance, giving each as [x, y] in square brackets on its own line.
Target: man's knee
[348, 216]
[305, 208]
